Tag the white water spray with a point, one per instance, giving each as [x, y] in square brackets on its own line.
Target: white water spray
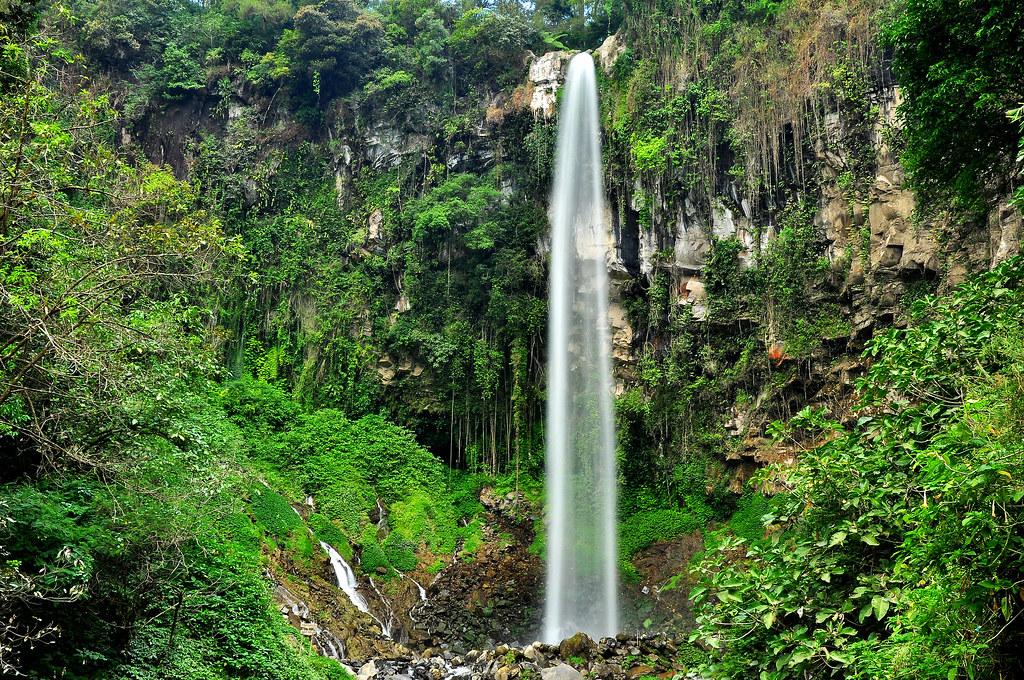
[582, 578]
[346, 578]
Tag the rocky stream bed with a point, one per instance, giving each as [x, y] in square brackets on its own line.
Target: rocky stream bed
[623, 657]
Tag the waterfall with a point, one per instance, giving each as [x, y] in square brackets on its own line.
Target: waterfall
[346, 578]
[385, 628]
[582, 572]
[349, 585]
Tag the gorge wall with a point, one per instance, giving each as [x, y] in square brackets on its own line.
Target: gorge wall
[694, 218]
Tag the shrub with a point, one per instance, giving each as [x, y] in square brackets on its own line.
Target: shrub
[349, 503]
[746, 521]
[400, 552]
[423, 521]
[238, 528]
[301, 544]
[327, 531]
[329, 669]
[372, 556]
[272, 512]
[473, 535]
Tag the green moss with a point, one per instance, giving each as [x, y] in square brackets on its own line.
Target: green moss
[691, 656]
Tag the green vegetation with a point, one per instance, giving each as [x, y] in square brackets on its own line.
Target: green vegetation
[272, 512]
[643, 529]
[961, 72]
[747, 521]
[897, 553]
[334, 283]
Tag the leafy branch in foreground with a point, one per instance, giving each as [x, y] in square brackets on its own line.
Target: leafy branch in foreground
[105, 482]
[899, 550]
[100, 264]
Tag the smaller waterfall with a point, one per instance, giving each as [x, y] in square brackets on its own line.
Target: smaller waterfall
[346, 578]
[385, 628]
[347, 582]
[423, 592]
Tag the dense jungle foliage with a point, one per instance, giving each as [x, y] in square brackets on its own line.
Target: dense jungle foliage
[254, 251]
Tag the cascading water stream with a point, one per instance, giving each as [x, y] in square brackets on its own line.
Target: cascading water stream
[582, 578]
[385, 628]
[348, 583]
[346, 578]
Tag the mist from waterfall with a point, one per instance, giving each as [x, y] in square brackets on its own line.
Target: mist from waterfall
[582, 573]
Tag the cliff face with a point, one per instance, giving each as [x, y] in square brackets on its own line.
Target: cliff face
[870, 254]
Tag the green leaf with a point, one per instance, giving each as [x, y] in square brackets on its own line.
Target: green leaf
[880, 606]
[769, 619]
[841, 657]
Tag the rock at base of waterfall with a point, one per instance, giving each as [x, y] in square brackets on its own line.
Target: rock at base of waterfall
[560, 672]
[532, 653]
[368, 670]
[506, 673]
[580, 644]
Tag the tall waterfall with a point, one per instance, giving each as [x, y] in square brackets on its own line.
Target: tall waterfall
[582, 574]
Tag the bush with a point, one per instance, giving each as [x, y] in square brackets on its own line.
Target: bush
[272, 512]
[258, 405]
[400, 552]
[327, 531]
[372, 556]
[472, 534]
[421, 520]
[349, 503]
[746, 521]
[238, 528]
[330, 669]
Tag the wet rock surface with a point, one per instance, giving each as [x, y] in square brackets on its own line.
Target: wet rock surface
[476, 616]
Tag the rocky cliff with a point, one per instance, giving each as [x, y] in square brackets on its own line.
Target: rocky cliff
[870, 252]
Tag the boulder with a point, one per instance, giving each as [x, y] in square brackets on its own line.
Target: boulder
[579, 645]
[533, 653]
[506, 673]
[367, 671]
[605, 671]
[546, 74]
[609, 52]
[560, 672]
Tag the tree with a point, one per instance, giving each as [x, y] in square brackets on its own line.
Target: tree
[335, 44]
[98, 262]
[960, 66]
